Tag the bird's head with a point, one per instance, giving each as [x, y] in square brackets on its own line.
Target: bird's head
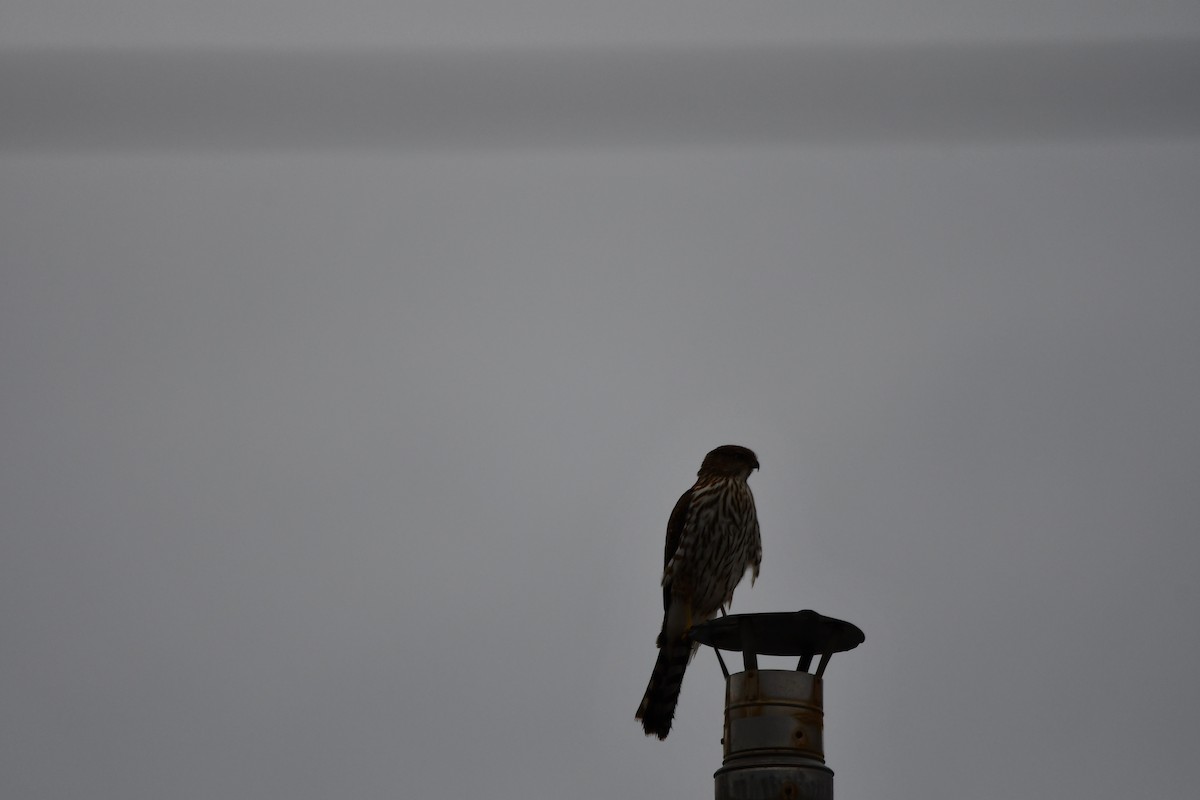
[730, 460]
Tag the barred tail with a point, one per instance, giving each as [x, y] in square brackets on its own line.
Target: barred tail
[658, 704]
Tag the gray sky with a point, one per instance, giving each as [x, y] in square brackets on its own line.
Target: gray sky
[528, 22]
[533, 98]
[342, 472]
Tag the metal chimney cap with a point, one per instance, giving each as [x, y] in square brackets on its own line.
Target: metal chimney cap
[779, 633]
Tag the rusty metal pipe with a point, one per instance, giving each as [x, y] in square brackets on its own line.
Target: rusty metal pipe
[774, 719]
[773, 743]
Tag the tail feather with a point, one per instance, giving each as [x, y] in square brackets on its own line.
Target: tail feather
[662, 694]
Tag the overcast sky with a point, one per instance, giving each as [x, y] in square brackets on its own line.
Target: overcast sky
[526, 22]
[343, 472]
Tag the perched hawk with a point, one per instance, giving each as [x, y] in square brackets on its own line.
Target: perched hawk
[712, 539]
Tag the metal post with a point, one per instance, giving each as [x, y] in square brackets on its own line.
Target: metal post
[774, 719]
[773, 741]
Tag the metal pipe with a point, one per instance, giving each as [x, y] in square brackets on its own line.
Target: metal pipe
[773, 743]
